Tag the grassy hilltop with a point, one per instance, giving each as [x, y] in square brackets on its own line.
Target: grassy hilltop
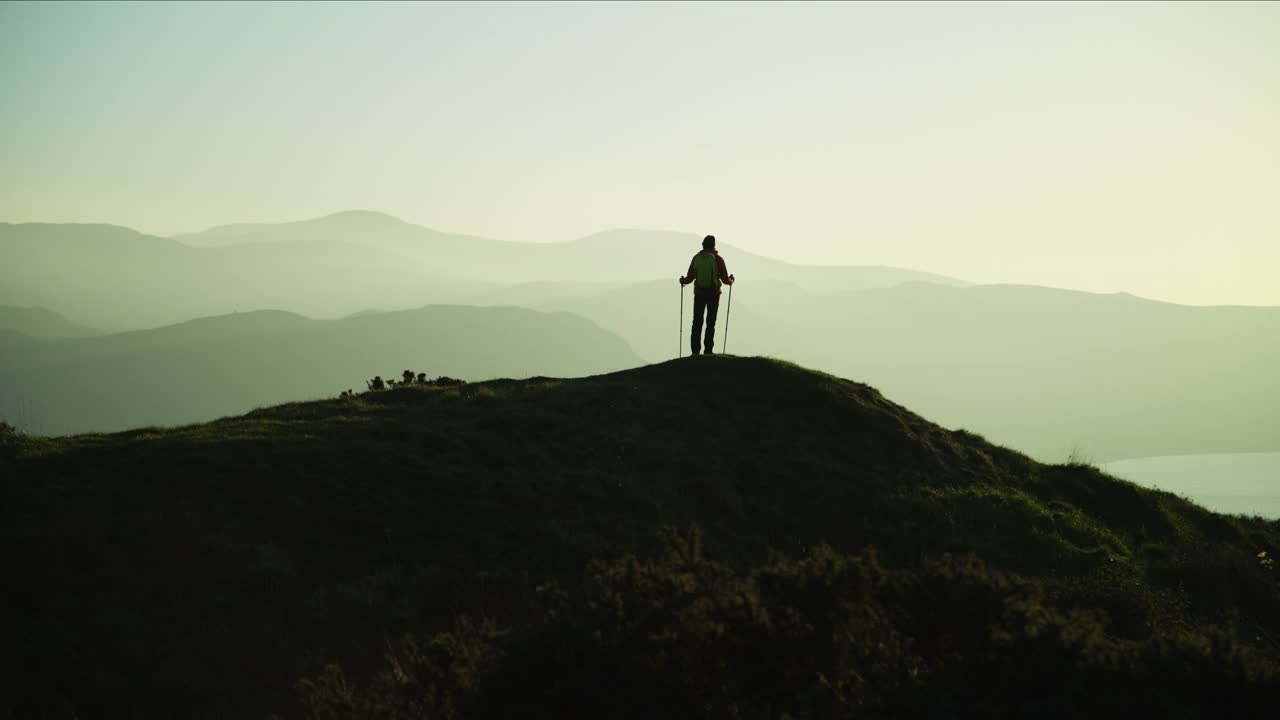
[200, 571]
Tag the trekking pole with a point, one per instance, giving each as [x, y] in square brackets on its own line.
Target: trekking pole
[680, 335]
[726, 320]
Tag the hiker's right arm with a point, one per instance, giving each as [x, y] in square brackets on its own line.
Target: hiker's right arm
[723, 271]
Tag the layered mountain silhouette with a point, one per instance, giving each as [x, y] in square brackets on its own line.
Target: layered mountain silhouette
[117, 278]
[40, 323]
[199, 571]
[207, 368]
[1047, 371]
[616, 256]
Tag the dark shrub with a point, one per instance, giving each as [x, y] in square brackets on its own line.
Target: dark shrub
[418, 682]
[828, 635]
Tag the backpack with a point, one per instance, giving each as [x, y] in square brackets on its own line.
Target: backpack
[704, 264]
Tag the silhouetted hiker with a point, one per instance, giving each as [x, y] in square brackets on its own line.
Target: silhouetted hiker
[707, 272]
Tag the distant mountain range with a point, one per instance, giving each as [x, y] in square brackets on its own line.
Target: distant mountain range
[117, 278]
[613, 256]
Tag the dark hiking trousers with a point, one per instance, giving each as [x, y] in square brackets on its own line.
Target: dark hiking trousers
[709, 304]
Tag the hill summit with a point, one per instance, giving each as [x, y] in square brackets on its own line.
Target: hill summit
[200, 570]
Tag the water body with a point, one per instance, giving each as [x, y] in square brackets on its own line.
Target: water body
[1236, 483]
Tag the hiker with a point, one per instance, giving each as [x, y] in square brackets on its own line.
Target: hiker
[707, 273]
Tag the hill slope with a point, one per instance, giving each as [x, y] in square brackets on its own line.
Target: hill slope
[198, 571]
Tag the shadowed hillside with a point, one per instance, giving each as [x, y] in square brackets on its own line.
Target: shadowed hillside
[199, 571]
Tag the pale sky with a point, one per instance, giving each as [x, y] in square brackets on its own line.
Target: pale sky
[1096, 146]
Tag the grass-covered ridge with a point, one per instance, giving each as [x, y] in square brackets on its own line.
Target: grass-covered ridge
[201, 570]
